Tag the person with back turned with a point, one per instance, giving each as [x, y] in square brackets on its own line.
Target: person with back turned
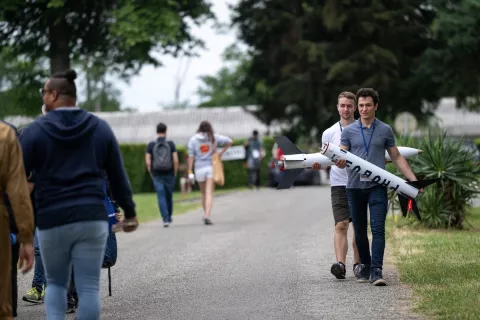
[69, 150]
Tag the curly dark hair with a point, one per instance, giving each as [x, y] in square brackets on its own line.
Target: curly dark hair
[367, 92]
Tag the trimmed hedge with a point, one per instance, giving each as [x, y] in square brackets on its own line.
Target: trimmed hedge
[235, 171]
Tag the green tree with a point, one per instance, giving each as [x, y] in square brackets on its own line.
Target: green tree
[225, 87]
[304, 53]
[100, 94]
[105, 98]
[121, 34]
[452, 60]
[20, 80]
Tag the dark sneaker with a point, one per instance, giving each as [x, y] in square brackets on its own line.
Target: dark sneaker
[376, 277]
[71, 305]
[356, 270]
[362, 272]
[207, 221]
[70, 309]
[338, 270]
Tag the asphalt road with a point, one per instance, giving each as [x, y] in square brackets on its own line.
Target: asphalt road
[267, 256]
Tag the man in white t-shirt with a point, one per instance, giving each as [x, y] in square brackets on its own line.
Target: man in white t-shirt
[338, 180]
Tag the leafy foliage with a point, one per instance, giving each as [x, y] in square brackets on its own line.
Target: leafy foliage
[452, 60]
[225, 88]
[20, 81]
[447, 203]
[306, 52]
[120, 34]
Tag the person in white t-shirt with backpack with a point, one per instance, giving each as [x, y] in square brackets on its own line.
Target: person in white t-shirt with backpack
[338, 179]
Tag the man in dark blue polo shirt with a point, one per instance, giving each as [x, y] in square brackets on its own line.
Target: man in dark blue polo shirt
[161, 160]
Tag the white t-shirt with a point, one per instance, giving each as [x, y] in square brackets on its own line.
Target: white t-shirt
[338, 177]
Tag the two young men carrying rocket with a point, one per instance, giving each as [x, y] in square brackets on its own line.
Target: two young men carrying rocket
[352, 194]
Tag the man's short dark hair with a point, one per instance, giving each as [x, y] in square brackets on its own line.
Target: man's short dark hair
[161, 127]
[64, 83]
[367, 92]
[255, 133]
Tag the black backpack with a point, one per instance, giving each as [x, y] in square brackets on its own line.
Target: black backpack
[162, 156]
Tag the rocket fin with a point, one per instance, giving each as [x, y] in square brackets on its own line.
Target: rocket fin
[288, 177]
[286, 145]
[408, 204]
[422, 183]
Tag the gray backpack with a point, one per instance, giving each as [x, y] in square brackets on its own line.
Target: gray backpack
[162, 156]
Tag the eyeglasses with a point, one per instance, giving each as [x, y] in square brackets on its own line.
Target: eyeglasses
[42, 91]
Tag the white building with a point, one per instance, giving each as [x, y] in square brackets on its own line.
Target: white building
[457, 122]
[235, 122]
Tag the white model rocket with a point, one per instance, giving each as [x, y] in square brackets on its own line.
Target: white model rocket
[306, 160]
[407, 190]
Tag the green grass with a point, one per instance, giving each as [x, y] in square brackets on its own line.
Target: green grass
[442, 268]
[147, 206]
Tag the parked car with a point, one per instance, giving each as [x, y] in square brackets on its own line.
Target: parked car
[306, 177]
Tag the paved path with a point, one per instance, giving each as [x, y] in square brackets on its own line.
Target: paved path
[268, 256]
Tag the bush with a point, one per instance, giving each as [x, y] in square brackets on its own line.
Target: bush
[477, 142]
[235, 171]
[446, 203]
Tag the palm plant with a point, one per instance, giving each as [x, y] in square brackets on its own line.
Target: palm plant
[447, 203]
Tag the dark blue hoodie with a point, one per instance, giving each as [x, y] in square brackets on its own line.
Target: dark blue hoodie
[70, 150]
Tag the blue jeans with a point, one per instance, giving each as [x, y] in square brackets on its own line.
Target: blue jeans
[376, 198]
[164, 186]
[81, 244]
[39, 273]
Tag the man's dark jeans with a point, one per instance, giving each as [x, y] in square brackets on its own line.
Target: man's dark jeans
[254, 177]
[164, 186]
[39, 279]
[376, 198]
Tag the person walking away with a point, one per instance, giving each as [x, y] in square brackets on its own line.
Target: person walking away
[13, 183]
[254, 148]
[36, 293]
[76, 149]
[338, 179]
[368, 138]
[185, 182]
[201, 148]
[161, 160]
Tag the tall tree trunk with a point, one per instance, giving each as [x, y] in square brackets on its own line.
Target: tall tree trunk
[59, 45]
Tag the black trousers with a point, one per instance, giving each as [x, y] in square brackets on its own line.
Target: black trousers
[254, 177]
[72, 297]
